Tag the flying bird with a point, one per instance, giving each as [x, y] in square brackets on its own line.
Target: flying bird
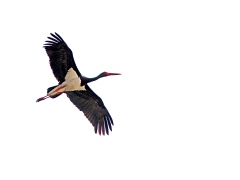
[75, 85]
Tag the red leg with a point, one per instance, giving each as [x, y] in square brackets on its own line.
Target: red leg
[42, 98]
[56, 91]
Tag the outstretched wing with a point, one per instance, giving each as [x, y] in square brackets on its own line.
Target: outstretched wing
[61, 57]
[93, 108]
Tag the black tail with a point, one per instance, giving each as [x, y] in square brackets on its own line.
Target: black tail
[51, 88]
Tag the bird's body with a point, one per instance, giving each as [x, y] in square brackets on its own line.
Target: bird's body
[75, 85]
[72, 83]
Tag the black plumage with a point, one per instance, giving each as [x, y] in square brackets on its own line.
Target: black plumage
[61, 60]
[93, 108]
[60, 57]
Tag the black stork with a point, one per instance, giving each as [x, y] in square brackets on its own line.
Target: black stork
[71, 82]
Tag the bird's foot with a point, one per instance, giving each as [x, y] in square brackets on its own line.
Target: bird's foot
[42, 98]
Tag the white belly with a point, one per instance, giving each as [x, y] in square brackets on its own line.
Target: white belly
[72, 83]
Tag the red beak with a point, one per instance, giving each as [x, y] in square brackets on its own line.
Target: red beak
[109, 74]
[114, 73]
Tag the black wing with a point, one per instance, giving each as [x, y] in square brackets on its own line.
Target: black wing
[93, 108]
[61, 57]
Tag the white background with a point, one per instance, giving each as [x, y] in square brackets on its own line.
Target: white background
[175, 107]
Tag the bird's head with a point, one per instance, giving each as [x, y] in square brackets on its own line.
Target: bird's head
[104, 74]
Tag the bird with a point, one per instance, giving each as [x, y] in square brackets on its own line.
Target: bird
[75, 85]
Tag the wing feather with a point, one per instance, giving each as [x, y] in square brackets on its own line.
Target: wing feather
[56, 37]
[93, 108]
[106, 125]
[53, 39]
[60, 57]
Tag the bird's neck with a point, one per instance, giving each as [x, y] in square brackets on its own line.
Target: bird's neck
[86, 80]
